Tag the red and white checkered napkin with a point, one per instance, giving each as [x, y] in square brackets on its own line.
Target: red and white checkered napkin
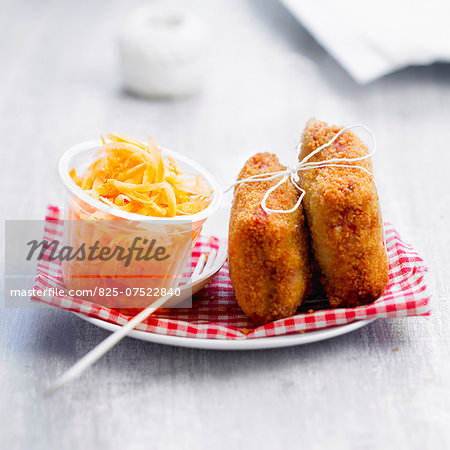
[215, 313]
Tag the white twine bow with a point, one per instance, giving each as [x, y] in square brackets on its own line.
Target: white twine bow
[292, 173]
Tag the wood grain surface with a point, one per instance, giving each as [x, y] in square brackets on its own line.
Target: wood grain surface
[384, 386]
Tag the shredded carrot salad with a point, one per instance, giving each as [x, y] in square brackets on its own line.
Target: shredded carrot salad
[137, 178]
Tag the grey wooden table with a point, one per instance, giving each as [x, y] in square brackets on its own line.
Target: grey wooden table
[266, 77]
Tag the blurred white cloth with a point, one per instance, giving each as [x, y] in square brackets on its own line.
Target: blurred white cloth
[373, 38]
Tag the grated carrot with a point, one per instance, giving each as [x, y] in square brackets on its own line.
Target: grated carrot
[135, 177]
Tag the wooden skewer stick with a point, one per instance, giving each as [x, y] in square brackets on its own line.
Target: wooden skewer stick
[97, 352]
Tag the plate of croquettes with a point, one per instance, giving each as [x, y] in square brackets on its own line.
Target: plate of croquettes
[312, 231]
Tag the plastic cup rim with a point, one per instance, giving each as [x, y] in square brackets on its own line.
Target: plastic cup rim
[71, 187]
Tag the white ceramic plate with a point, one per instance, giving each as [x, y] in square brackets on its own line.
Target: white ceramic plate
[235, 344]
[217, 225]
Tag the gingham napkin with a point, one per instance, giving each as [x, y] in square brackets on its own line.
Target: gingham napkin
[215, 313]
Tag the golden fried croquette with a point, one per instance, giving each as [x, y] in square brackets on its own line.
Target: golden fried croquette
[268, 253]
[344, 219]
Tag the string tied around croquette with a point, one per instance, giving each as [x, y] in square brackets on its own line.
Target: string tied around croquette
[304, 164]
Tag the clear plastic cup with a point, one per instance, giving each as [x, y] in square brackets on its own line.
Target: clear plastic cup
[109, 280]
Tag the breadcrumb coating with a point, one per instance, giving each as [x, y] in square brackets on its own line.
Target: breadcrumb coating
[344, 219]
[268, 253]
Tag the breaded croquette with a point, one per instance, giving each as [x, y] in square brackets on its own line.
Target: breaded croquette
[344, 219]
[268, 253]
